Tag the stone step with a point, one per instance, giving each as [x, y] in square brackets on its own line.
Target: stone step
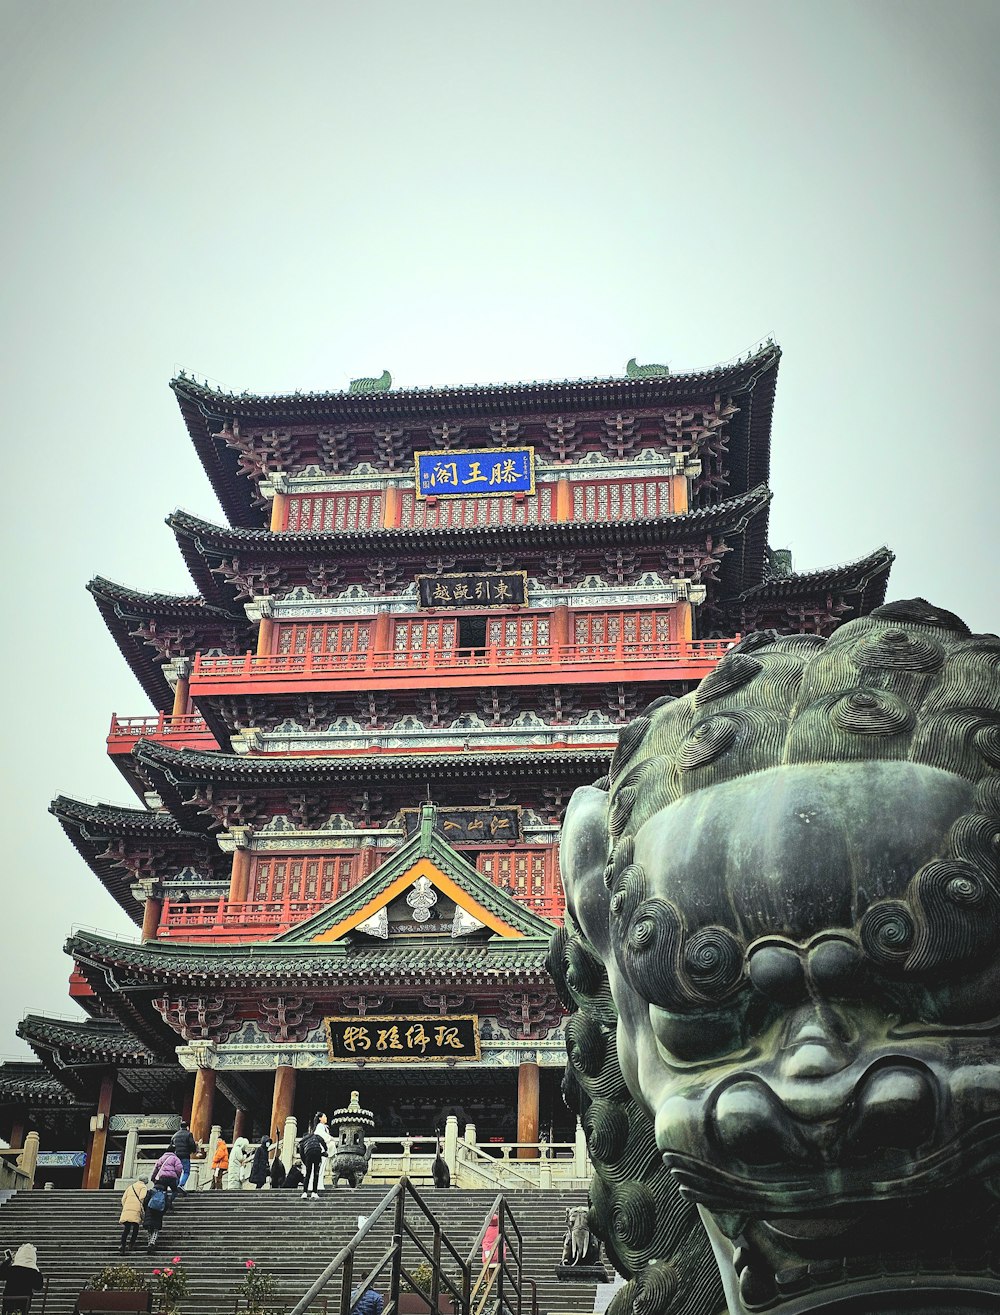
[216, 1232]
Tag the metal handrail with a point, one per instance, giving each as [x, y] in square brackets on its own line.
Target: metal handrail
[494, 1263]
[395, 1199]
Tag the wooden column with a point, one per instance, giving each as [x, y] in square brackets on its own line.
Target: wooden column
[239, 880]
[201, 1105]
[560, 630]
[678, 494]
[241, 1124]
[279, 512]
[685, 624]
[19, 1121]
[284, 1099]
[151, 910]
[265, 632]
[527, 1108]
[381, 633]
[98, 1139]
[392, 507]
[564, 500]
[182, 691]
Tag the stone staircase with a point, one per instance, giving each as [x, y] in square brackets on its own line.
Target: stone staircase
[215, 1233]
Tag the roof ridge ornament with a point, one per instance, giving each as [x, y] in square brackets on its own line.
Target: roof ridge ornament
[371, 385]
[633, 371]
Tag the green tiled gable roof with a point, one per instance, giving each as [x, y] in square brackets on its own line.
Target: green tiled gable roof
[426, 843]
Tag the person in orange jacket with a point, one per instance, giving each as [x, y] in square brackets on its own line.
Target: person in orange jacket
[220, 1163]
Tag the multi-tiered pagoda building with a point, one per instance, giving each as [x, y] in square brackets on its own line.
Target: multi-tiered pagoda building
[424, 622]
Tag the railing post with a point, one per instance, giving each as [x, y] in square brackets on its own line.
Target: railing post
[131, 1153]
[436, 1268]
[28, 1159]
[288, 1139]
[451, 1143]
[407, 1157]
[581, 1168]
[396, 1263]
[544, 1165]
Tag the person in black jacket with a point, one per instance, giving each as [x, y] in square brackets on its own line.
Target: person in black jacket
[261, 1163]
[23, 1279]
[312, 1150]
[183, 1145]
[278, 1174]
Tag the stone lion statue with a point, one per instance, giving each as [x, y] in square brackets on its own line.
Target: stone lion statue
[782, 959]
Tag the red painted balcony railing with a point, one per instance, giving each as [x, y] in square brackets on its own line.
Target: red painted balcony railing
[188, 732]
[632, 660]
[220, 920]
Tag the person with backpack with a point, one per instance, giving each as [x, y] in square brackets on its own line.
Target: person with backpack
[167, 1173]
[155, 1206]
[312, 1149]
[131, 1215]
[183, 1145]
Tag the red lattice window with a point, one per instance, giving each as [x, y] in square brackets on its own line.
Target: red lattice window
[638, 631]
[530, 875]
[335, 511]
[453, 513]
[621, 500]
[324, 637]
[417, 635]
[519, 633]
[301, 877]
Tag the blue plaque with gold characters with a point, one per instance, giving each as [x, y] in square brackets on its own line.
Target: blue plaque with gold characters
[482, 472]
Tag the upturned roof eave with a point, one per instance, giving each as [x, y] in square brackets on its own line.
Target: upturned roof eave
[203, 544]
[121, 607]
[89, 827]
[155, 963]
[205, 410]
[866, 575]
[197, 765]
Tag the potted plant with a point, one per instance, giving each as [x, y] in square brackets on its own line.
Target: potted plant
[116, 1287]
[171, 1286]
[257, 1290]
[415, 1297]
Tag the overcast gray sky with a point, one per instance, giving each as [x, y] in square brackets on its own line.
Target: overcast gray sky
[286, 195]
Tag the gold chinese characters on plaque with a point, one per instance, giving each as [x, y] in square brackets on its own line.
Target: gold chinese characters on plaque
[402, 1038]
